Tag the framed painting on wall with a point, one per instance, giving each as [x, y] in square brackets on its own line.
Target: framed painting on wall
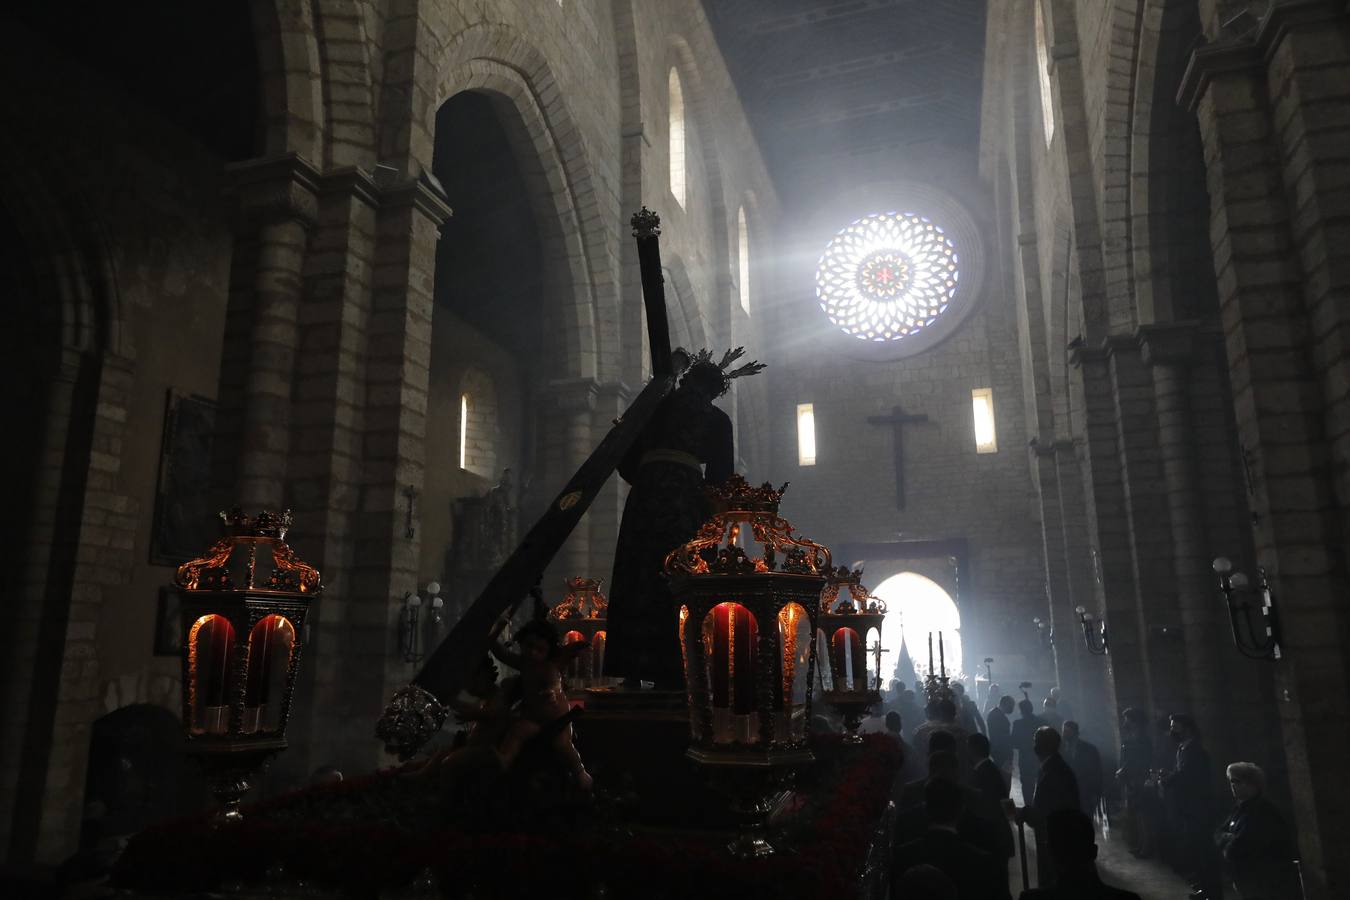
[185, 522]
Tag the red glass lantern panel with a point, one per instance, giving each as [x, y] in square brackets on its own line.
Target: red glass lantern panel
[210, 674]
[269, 655]
[794, 630]
[731, 648]
[848, 660]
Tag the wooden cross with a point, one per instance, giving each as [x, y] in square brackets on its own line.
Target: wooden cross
[898, 419]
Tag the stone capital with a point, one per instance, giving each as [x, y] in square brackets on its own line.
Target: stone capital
[275, 189]
[571, 395]
[351, 181]
[423, 193]
[1249, 54]
[614, 395]
[1168, 343]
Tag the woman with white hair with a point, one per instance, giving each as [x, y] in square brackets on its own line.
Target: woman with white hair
[1254, 839]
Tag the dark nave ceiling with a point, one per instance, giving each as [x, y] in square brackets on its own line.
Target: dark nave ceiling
[853, 84]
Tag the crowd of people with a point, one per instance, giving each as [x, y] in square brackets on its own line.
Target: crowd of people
[955, 820]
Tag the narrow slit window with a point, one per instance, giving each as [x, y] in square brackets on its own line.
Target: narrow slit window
[986, 440]
[743, 252]
[463, 430]
[806, 434]
[677, 166]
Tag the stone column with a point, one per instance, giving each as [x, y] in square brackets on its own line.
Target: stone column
[568, 439]
[1169, 350]
[277, 198]
[1279, 280]
[1108, 529]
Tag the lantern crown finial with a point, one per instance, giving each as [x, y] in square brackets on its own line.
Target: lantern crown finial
[253, 556]
[265, 524]
[737, 495]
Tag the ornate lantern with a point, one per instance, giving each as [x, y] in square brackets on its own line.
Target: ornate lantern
[244, 606]
[845, 625]
[581, 618]
[749, 592]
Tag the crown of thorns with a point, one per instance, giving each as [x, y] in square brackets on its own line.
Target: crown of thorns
[704, 359]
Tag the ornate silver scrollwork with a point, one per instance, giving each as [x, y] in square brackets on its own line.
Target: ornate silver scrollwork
[412, 717]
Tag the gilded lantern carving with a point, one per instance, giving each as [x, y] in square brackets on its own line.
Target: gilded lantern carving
[581, 617]
[748, 590]
[849, 615]
[244, 605]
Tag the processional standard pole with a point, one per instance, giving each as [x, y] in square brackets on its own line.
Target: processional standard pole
[417, 711]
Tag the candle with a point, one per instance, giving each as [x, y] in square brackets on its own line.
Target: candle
[942, 657]
[930, 653]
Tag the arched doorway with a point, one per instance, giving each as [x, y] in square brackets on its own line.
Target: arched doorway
[915, 607]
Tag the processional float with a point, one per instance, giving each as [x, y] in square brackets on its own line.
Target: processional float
[418, 710]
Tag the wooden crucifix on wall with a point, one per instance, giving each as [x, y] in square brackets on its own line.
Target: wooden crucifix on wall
[898, 419]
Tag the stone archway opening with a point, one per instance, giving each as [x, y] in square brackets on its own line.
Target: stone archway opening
[917, 606]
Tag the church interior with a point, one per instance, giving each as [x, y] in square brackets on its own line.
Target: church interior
[404, 333]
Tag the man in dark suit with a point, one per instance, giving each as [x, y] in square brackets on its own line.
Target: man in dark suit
[973, 871]
[912, 814]
[1189, 792]
[1023, 741]
[1000, 733]
[991, 789]
[1086, 762]
[1056, 789]
[1073, 850]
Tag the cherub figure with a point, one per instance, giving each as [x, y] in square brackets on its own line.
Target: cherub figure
[543, 708]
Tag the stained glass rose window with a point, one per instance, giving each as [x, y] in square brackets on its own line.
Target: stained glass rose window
[887, 276]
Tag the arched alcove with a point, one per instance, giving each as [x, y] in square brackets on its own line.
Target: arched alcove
[915, 607]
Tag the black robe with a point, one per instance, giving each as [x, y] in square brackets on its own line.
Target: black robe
[664, 509]
[1056, 789]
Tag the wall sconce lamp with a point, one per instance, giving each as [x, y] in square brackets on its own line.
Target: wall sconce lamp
[1094, 632]
[1046, 633]
[410, 638]
[1253, 640]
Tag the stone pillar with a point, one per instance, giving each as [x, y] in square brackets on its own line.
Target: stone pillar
[607, 511]
[1081, 676]
[1108, 530]
[324, 471]
[570, 404]
[1169, 350]
[1282, 302]
[277, 199]
[385, 554]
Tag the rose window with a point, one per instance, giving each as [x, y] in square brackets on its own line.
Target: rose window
[887, 276]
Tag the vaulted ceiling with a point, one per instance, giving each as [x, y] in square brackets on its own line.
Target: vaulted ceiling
[853, 83]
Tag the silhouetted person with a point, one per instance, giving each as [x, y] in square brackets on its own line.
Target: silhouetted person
[1141, 803]
[974, 871]
[1254, 840]
[1056, 790]
[1023, 741]
[1190, 798]
[944, 755]
[1086, 762]
[991, 789]
[927, 882]
[999, 727]
[967, 713]
[1073, 853]
[912, 814]
[1050, 713]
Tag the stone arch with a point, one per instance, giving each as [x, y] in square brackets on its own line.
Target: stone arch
[1118, 120]
[289, 78]
[496, 61]
[1171, 256]
[344, 56]
[1073, 139]
[633, 361]
[688, 328]
[682, 57]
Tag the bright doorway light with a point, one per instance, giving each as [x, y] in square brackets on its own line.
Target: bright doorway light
[921, 606]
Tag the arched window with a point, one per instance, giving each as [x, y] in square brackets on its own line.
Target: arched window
[478, 424]
[677, 165]
[920, 607]
[1043, 68]
[743, 254]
